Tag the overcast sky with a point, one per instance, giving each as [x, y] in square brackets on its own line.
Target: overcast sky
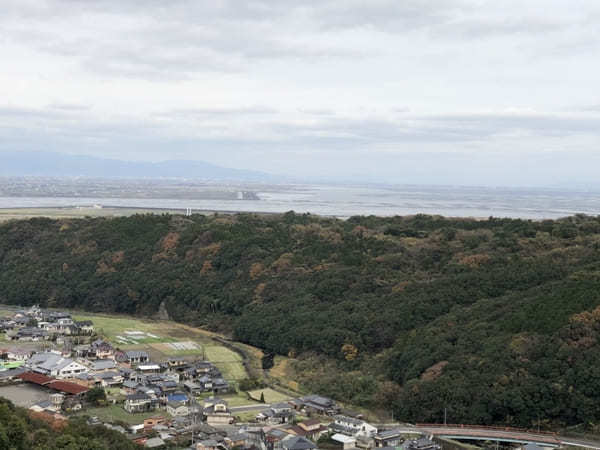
[407, 91]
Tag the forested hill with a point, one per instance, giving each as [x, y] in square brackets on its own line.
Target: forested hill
[495, 320]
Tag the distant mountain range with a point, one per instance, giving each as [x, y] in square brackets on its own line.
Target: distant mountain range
[62, 165]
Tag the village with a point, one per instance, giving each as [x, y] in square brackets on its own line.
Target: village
[66, 369]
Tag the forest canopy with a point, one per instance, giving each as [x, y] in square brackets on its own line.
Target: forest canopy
[496, 320]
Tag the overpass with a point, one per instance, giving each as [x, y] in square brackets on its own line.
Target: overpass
[500, 434]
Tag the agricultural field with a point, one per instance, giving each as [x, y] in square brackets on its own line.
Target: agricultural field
[164, 339]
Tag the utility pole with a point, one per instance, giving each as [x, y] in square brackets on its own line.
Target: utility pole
[445, 416]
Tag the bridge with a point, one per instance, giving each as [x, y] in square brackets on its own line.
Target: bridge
[500, 434]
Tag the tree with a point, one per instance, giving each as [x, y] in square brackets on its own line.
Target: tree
[96, 396]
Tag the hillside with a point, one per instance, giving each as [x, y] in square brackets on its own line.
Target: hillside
[21, 429]
[496, 320]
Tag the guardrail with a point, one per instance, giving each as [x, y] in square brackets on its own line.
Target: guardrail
[486, 428]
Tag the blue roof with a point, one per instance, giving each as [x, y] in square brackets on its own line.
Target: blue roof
[177, 398]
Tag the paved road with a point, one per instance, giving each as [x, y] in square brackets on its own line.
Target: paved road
[481, 433]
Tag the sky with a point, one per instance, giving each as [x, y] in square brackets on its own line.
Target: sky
[470, 92]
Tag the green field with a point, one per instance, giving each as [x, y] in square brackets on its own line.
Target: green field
[228, 361]
[114, 413]
[270, 395]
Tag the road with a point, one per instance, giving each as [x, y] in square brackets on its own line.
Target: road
[468, 432]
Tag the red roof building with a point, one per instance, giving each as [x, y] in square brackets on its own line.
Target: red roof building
[67, 387]
[36, 378]
[52, 383]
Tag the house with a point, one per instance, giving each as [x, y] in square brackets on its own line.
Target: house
[136, 356]
[177, 409]
[176, 362]
[151, 422]
[154, 442]
[239, 440]
[129, 387]
[274, 437]
[168, 386]
[178, 397]
[138, 402]
[346, 442]
[318, 405]
[18, 354]
[208, 444]
[85, 326]
[297, 443]
[219, 385]
[352, 427]
[217, 412]
[389, 438]
[193, 388]
[102, 365]
[55, 365]
[422, 443]
[109, 379]
[148, 368]
[102, 349]
[7, 376]
[312, 429]
[30, 334]
[278, 413]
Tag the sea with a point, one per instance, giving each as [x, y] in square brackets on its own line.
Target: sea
[351, 200]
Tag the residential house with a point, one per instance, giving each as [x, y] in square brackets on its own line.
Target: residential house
[216, 412]
[154, 442]
[297, 443]
[55, 365]
[278, 413]
[136, 357]
[208, 444]
[30, 334]
[312, 429]
[151, 422]
[138, 402]
[317, 404]
[85, 327]
[389, 438]
[177, 409]
[346, 442]
[148, 368]
[422, 443]
[178, 397]
[193, 388]
[352, 427]
[102, 349]
[102, 365]
[18, 354]
[239, 440]
[109, 379]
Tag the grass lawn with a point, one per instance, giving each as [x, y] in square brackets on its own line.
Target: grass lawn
[228, 361]
[271, 396]
[115, 413]
[238, 399]
[247, 416]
